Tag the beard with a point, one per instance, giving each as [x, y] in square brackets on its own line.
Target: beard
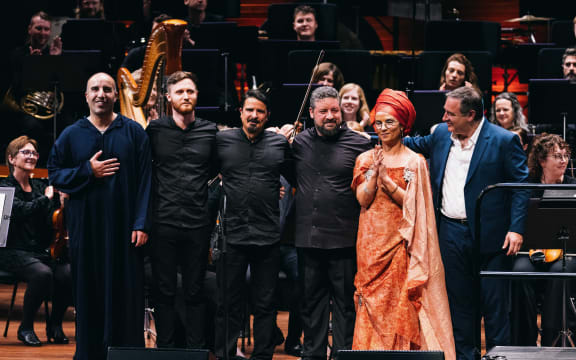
[182, 109]
[570, 76]
[327, 132]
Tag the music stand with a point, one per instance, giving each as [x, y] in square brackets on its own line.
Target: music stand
[6, 199]
[556, 208]
[205, 63]
[552, 103]
[429, 105]
[214, 35]
[273, 64]
[68, 72]
[285, 103]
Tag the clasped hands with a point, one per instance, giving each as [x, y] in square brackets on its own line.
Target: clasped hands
[383, 180]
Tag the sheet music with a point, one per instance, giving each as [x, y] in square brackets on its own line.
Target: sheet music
[2, 199]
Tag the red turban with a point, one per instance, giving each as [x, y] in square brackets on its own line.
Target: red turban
[397, 104]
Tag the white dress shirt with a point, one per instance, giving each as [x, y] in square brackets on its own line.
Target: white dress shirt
[453, 202]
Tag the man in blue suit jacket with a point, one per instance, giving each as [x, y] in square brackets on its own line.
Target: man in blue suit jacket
[468, 153]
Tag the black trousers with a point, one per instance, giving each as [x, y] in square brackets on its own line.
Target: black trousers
[264, 262]
[528, 293]
[327, 275]
[43, 282]
[186, 250]
[457, 248]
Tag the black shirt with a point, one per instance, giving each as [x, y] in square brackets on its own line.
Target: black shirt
[251, 178]
[31, 219]
[326, 207]
[183, 161]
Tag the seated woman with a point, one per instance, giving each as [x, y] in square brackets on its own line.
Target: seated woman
[354, 106]
[401, 300]
[27, 254]
[458, 71]
[547, 162]
[507, 112]
[328, 74]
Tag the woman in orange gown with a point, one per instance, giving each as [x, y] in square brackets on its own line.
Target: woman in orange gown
[401, 300]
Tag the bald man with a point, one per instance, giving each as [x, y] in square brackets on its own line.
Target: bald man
[103, 162]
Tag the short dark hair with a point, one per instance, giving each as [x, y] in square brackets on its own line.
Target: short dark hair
[42, 15]
[256, 94]
[179, 76]
[323, 92]
[470, 99]
[304, 9]
[162, 17]
[568, 52]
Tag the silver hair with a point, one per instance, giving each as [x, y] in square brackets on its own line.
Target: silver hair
[470, 99]
[323, 92]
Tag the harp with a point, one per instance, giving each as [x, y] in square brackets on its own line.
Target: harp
[162, 58]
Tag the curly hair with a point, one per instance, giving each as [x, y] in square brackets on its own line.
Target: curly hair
[542, 146]
[469, 74]
[519, 118]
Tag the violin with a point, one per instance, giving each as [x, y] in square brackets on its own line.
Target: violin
[59, 245]
[544, 256]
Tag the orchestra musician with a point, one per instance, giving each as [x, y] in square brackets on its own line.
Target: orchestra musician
[458, 71]
[183, 156]
[547, 161]
[33, 109]
[305, 23]
[103, 162]
[468, 153]
[507, 112]
[30, 235]
[569, 64]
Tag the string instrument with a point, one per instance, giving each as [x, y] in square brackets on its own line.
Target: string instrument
[59, 245]
[544, 255]
[297, 124]
[163, 57]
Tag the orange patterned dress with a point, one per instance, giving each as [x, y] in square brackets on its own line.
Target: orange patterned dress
[401, 300]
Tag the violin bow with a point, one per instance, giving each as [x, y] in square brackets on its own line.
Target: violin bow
[303, 105]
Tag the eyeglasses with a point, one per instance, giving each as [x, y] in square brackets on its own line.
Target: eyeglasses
[29, 153]
[387, 124]
[560, 157]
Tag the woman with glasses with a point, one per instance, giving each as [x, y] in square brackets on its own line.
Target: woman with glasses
[30, 235]
[401, 300]
[547, 162]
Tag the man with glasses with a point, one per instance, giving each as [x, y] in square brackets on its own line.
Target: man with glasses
[466, 155]
[103, 162]
[326, 224]
[569, 64]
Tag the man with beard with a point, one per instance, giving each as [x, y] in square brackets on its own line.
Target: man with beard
[23, 121]
[103, 162]
[251, 162]
[569, 64]
[182, 164]
[326, 223]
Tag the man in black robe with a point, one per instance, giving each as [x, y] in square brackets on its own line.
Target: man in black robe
[103, 161]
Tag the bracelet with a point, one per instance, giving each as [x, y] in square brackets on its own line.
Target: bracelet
[393, 191]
